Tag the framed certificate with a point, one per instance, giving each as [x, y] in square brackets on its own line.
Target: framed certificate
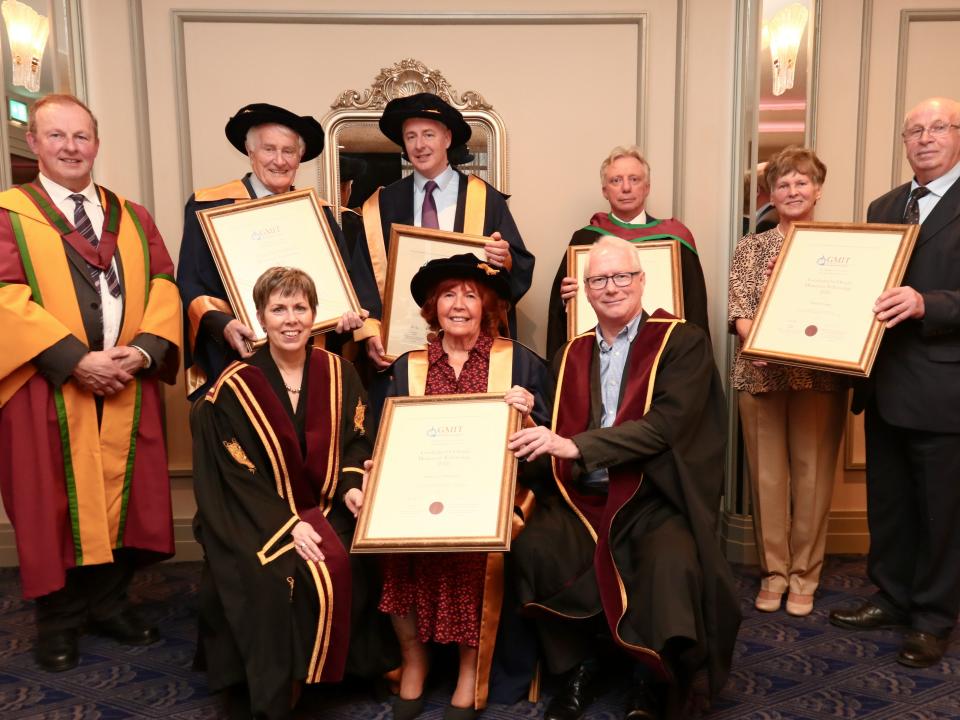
[660, 260]
[817, 308]
[289, 229]
[442, 479]
[402, 328]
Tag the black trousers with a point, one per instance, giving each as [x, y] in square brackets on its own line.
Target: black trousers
[913, 512]
[94, 592]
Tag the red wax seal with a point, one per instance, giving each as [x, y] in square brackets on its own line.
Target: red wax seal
[810, 330]
[436, 508]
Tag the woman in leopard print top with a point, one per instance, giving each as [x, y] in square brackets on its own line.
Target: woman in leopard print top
[792, 417]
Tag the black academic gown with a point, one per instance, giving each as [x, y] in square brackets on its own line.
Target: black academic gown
[396, 206]
[680, 592]
[262, 607]
[691, 276]
[199, 282]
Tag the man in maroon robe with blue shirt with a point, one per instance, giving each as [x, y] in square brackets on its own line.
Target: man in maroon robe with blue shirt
[625, 545]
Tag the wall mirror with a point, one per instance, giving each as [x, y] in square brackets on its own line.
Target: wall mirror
[355, 149]
[779, 90]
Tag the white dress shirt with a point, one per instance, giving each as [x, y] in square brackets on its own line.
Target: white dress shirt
[259, 189]
[640, 219]
[937, 189]
[111, 307]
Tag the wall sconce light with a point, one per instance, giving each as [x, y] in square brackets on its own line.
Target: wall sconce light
[27, 31]
[785, 31]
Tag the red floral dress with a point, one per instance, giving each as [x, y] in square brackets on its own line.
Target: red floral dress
[444, 590]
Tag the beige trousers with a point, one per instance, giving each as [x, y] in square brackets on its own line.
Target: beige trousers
[792, 438]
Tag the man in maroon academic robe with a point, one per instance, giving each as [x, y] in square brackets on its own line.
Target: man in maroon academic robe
[91, 321]
[625, 184]
[626, 544]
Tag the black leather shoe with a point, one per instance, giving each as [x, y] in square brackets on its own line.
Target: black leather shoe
[454, 712]
[572, 702]
[56, 652]
[407, 709]
[921, 649]
[646, 702]
[126, 629]
[866, 617]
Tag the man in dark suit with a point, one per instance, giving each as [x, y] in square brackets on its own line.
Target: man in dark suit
[435, 195]
[912, 403]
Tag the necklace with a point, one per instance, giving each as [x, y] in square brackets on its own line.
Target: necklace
[295, 391]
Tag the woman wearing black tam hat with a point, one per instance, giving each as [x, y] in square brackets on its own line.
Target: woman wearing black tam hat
[276, 140]
[447, 597]
[435, 195]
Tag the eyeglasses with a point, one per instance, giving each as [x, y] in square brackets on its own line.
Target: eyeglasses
[599, 282]
[937, 130]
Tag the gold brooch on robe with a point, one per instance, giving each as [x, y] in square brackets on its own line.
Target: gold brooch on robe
[237, 453]
[359, 413]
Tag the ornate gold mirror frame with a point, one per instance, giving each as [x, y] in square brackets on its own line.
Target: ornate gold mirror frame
[351, 126]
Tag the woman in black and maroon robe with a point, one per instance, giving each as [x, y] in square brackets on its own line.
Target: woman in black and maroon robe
[279, 446]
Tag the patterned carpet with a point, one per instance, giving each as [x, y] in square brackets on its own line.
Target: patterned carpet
[785, 668]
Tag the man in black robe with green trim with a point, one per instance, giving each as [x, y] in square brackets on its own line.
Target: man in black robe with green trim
[625, 183]
[626, 544]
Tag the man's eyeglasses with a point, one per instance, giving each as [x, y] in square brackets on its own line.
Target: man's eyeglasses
[599, 282]
[937, 130]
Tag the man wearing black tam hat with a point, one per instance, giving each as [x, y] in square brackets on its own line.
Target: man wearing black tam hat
[435, 195]
[276, 141]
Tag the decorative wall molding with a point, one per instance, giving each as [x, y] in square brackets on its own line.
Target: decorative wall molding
[408, 77]
[141, 102]
[180, 18]
[903, 48]
[847, 534]
[866, 30]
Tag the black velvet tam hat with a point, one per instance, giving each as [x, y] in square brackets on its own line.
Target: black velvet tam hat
[423, 105]
[352, 168]
[465, 267]
[306, 126]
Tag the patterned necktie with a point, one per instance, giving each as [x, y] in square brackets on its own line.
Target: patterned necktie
[81, 222]
[911, 216]
[428, 215]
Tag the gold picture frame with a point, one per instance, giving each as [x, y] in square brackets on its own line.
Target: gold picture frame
[664, 286]
[816, 310]
[288, 229]
[437, 483]
[401, 328]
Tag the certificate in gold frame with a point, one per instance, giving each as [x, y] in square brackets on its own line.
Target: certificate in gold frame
[442, 478]
[402, 329]
[817, 308]
[660, 260]
[288, 229]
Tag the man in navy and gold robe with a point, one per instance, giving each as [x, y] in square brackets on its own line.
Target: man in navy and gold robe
[277, 141]
[428, 129]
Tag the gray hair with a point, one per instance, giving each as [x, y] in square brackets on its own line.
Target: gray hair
[610, 243]
[252, 141]
[621, 151]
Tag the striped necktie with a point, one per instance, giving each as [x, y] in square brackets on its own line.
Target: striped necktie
[81, 221]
